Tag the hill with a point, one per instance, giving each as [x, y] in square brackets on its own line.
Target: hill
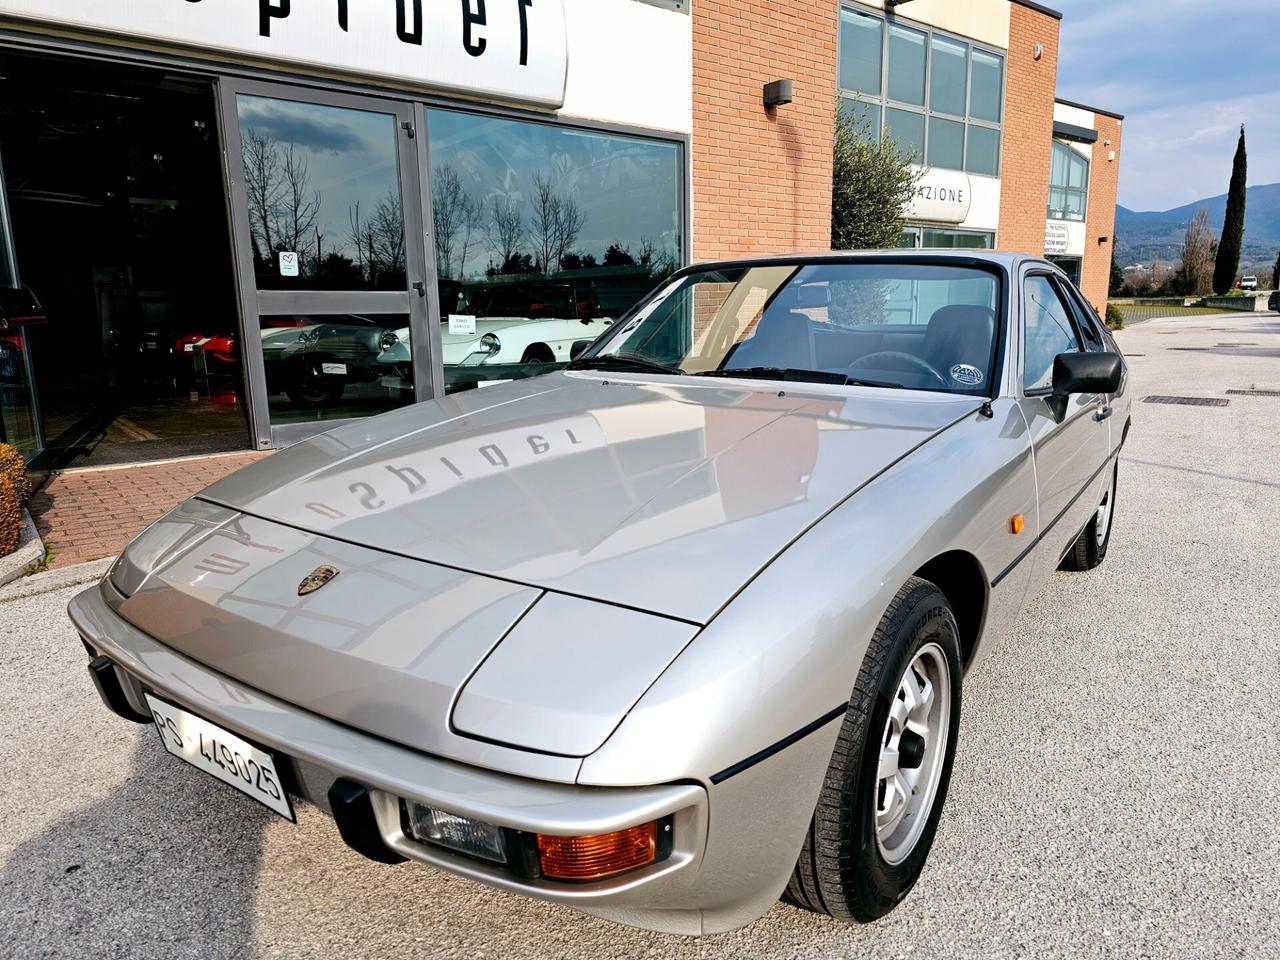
[1144, 235]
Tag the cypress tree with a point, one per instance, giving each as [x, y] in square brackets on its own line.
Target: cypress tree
[1224, 272]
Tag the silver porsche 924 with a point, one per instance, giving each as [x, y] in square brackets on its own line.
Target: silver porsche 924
[663, 635]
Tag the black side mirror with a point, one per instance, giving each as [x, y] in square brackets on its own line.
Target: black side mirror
[1086, 373]
[578, 347]
[1083, 373]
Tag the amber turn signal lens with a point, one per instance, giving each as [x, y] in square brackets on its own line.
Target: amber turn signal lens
[594, 858]
[1016, 523]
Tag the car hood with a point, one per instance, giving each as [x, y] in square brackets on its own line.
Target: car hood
[665, 496]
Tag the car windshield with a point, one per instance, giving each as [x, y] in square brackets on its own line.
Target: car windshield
[915, 325]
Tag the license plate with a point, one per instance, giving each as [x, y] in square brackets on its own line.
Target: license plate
[334, 369]
[221, 754]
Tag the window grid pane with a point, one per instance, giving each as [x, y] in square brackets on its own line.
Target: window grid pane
[948, 76]
[906, 65]
[946, 143]
[987, 80]
[861, 43]
[940, 74]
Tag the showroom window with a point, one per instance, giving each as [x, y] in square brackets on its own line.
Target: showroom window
[936, 95]
[940, 238]
[1068, 183]
[544, 235]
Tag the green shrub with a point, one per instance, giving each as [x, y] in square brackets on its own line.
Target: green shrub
[10, 516]
[15, 468]
[1115, 317]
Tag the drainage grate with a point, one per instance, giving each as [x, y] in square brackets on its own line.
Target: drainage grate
[1127, 355]
[1188, 401]
[1254, 393]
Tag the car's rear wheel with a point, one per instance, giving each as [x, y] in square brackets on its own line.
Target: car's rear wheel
[310, 387]
[887, 781]
[1090, 548]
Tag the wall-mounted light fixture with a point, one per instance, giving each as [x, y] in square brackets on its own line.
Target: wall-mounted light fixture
[1102, 240]
[777, 93]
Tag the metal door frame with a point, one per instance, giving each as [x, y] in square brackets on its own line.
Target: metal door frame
[11, 261]
[418, 304]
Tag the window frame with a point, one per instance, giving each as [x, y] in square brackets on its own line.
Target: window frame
[1067, 190]
[1052, 279]
[883, 101]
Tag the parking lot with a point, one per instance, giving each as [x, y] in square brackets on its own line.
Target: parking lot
[1115, 789]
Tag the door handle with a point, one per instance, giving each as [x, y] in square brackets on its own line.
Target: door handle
[1104, 413]
[421, 287]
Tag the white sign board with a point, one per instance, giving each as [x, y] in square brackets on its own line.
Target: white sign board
[1057, 238]
[462, 325]
[942, 196]
[508, 49]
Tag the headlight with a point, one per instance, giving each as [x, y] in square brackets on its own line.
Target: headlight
[389, 339]
[490, 344]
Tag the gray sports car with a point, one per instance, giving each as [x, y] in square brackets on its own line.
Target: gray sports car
[666, 634]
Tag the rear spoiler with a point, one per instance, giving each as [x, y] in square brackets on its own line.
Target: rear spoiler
[20, 308]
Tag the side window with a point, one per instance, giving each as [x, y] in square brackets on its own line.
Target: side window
[1049, 331]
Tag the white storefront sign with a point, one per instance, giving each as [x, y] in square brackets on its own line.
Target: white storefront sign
[508, 49]
[942, 196]
[1057, 238]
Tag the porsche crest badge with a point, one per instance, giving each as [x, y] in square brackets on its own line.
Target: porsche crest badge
[316, 579]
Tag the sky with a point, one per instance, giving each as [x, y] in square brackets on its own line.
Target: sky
[1185, 74]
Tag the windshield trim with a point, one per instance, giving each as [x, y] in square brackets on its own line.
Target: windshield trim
[996, 268]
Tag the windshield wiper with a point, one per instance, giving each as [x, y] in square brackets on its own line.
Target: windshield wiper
[611, 361]
[796, 375]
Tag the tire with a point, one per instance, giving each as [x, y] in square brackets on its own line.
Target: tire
[538, 353]
[1090, 548]
[311, 389]
[847, 868]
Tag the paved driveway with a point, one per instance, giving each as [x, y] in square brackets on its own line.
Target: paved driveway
[1116, 788]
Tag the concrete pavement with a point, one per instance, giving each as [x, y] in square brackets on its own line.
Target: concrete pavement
[1115, 789]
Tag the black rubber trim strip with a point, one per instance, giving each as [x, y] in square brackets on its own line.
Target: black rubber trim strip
[781, 745]
[353, 813]
[105, 679]
[1047, 530]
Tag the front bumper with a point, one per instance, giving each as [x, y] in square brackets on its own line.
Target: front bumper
[322, 753]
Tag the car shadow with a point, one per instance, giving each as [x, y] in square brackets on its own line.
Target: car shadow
[127, 875]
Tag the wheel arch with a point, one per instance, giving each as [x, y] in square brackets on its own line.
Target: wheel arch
[960, 577]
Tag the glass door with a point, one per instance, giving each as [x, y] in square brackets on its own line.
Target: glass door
[327, 214]
[19, 414]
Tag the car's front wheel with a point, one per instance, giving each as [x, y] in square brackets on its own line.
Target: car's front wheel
[887, 780]
[1090, 548]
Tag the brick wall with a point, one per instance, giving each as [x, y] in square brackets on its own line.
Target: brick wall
[762, 179]
[1100, 221]
[1028, 130]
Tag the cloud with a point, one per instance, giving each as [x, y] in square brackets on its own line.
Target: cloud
[289, 126]
[1186, 74]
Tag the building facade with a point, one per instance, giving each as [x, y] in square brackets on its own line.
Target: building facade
[247, 220]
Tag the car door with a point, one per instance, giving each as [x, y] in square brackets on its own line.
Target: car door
[1069, 452]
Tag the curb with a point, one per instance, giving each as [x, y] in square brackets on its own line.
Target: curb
[30, 551]
[57, 579]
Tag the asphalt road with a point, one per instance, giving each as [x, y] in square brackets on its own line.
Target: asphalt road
[1116, 788]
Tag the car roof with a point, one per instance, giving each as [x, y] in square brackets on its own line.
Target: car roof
[1010, 261]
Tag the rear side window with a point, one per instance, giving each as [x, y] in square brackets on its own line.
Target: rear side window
[1049, 332]
[1087, 319]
